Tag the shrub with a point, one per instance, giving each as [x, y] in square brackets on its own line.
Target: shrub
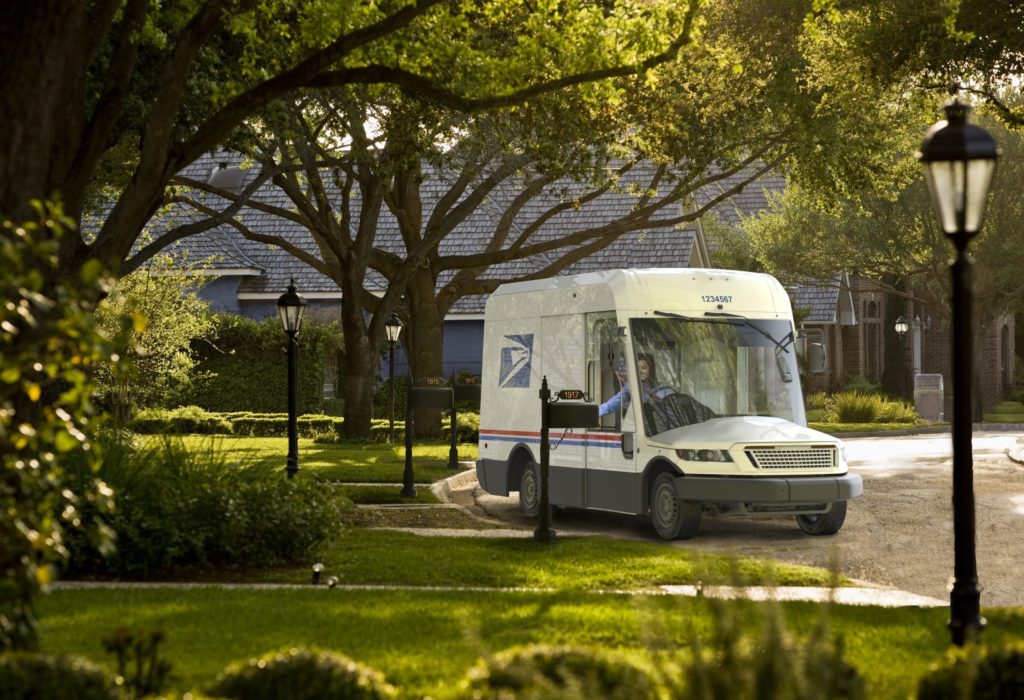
[560, 672]
[186, 508]
[862, 385]
[989, 675]
[773, 665]
[28, 675]
[897, 412]
[853, 407]
[299, 674]
[244, 365]
[180, 421]
[817, 400]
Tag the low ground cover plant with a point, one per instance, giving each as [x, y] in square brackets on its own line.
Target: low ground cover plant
[857, 407]
[190, 507]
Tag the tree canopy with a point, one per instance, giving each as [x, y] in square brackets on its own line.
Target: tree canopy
[112, 97]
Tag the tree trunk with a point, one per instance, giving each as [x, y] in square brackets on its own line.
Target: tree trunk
[40, 57]
[424, 344]
[360, 372]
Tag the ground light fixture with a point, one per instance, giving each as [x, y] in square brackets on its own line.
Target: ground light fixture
[959, 160]
[291, 305]
[393, 328]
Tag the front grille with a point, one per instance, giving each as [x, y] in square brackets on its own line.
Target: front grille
[812, 458]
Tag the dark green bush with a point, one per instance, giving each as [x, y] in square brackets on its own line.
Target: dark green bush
[40, 677]
[244, 365]
[179, 421]
[560, 672]
[300, 674]
[993, 674]
[862, 385]
[177, 507]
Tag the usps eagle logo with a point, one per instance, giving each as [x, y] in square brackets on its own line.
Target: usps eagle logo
[516, 356]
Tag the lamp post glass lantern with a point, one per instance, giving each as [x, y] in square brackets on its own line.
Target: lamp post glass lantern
[393, 327]
[959, 160]
[901, 327]
[291, 306]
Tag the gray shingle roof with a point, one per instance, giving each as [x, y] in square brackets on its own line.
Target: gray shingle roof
[825, 299]
[663, 247]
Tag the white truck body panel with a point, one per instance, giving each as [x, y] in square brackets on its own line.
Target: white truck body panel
[734, 431]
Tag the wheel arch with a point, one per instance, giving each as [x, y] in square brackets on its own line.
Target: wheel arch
[655, 468]
[518, 458]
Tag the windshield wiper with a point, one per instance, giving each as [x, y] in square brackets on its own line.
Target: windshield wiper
[779, 344]
[669, 314]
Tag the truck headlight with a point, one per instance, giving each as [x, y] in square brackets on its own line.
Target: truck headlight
[704, 455]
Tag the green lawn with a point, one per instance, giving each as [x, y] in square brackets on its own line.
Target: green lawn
[424, 641]
[1006, 412]
[370, 556]
[362, 462]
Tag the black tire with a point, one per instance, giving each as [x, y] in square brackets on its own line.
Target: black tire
[826, 523]
[529, 490]
[673, 518]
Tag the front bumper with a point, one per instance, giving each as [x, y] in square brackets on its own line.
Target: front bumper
[773, 490]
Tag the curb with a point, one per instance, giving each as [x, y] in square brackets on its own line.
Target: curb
[932, 430]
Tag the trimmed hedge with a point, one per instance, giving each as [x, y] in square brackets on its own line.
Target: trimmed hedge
[244, 365]
[300, 674]
[323, 429]
[542, 671]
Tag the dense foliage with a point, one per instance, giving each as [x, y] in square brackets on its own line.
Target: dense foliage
[28, 675]
[243, 366]
[976, 673]
[169, 318]
[49, 345]
[179, 508]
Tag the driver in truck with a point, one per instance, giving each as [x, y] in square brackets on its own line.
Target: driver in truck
[648, 385]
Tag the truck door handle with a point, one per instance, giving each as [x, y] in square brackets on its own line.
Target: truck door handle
[627, 445]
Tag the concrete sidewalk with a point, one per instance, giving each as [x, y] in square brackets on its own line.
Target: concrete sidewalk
[862, 596]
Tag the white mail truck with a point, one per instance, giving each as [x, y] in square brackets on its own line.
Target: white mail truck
[697, 377]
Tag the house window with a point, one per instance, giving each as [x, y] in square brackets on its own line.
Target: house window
[872, 340]
[330, 375]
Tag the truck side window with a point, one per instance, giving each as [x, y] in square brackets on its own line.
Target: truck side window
[604, 349]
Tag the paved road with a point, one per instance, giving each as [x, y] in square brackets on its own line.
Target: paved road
[899, 534]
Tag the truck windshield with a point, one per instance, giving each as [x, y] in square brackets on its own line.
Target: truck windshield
[703, 368]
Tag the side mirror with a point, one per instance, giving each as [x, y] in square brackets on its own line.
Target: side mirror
[816, 358]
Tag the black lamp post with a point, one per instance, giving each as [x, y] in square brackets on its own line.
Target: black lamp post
[901, 327]
[291, 306]
[393, 328]
[959, 160]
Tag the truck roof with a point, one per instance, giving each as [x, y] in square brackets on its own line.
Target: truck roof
[678, 290]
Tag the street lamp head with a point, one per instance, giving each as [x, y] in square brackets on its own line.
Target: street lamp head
[291, 306]
[959, 160]
[901, 326]
[393, 328]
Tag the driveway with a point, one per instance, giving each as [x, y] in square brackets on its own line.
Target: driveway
[898, 534]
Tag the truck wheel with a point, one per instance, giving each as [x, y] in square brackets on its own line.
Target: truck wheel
[826, 523]
[529, 490]
[673, 519]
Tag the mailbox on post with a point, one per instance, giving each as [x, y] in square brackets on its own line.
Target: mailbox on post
[554, 414]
